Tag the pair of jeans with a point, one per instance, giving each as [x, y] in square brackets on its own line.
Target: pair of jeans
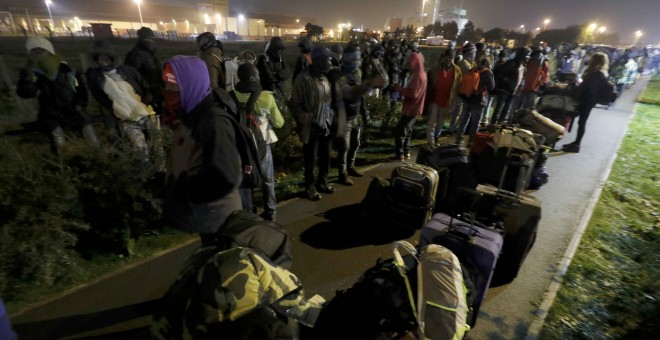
[403, 133]
[455, 114]
[317, 147]
[470, 116]
[502, 108]
[436, 122]
[268, 186]
[348, 146]
[525, 100]
[144, 134]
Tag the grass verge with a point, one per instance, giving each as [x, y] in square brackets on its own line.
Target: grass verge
[612, 288]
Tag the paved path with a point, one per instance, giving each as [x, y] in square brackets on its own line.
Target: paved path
[329, 254]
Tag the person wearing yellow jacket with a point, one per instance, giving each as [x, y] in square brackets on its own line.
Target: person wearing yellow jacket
[444, 80]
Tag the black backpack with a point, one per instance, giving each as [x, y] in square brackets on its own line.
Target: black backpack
[249, 140]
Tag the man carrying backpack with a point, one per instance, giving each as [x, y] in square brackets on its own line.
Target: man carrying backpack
[475, 101]
[273, 71]
[261, 105]
[204, 168]
[466, 64]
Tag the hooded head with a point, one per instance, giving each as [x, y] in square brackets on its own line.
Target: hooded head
[275, 48]
[337, 50]
[522, 54]
[469, 51]
[305, 45]
[104, 56]
[378, 51]
[447, 58]
[351, 59]
[415, 63]
[187, 83]
[247, 73]
[205, 41]
[36, 42]
[146, 37]
[321, 59]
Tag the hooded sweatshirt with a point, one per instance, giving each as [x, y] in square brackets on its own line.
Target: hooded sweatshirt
[415, 92]
[204, 159]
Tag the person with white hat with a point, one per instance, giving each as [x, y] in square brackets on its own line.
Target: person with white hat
[61, 93]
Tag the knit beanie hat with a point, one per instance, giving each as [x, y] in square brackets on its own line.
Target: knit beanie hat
[469, 51]
[337, 49]
[39, 42]
[321, 52]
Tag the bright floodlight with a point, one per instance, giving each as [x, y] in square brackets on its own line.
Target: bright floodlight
[546, 21]
[602, 29]
[638, 33]
[241, 17]
[592, 26]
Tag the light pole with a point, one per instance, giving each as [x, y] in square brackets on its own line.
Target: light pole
[522, 29]
[52, 23]
[139, 2]
[421, 14]
[545, 24]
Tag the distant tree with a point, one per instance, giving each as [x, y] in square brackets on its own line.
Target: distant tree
[428, 31]
[468, 33]
[495, 35]
[313, 31]
[449, 30]
[554, 37]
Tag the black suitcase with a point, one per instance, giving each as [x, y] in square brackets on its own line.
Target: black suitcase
[412, 192]
[476, 246]
[520, 215]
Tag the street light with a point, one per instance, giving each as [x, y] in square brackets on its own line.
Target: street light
[602, 29]
[545, 24]
[139, 2]
[421, 15]
[52, 23]
[638, 34]
[240, 18]
[522, 29]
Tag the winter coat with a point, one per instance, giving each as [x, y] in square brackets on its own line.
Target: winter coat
[268, 114]
[273, 73]
[353, 90]
[506, 76]
[537, 74]
[148, 65]
[486, 85]
[415, 91]
[214, 59]
[591, 89]
[432, 77]
[58, 99]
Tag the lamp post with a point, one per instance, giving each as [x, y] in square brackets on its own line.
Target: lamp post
[522, 29]
[421, 14]
[545, 24]
[139, 2]
[52, 23]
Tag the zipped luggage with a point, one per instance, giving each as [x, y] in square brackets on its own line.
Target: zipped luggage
[412, 192]
[537, 123]
[520, 216]
[476, 246]
[454, 172]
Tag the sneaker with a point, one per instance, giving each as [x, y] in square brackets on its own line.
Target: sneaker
[343, 179]
[399, 158]
[407, 156]
[312, 194]
[354, 173]
[324, 188]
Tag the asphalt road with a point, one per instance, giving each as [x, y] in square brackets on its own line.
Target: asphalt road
[330, 252]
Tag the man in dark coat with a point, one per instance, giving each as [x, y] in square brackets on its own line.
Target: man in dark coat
[273, 71]
[143, 58]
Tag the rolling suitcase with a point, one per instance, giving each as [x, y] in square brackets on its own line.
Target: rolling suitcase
[520, 216]
[412, 192]
[476, 246]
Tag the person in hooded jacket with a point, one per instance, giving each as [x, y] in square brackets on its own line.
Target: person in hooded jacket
[122, 91]
[61, 93]
[204, 166]
[474, 105]
[536, 75]
[143, 58]
[304, 60]
[509, 84]
[268, 116]
[274, 73]
[319, 118]
[413, 105]
[469, 53]
[213, 55]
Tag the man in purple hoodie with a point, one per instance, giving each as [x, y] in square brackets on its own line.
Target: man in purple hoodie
[204, 168]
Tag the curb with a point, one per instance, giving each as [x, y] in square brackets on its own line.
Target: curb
[534, 330]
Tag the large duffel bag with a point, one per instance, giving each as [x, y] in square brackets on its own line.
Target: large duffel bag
[537, 123]
[476, 246]
[413, 188]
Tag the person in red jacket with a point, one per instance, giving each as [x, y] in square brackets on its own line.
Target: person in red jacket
[535, 77]
[413, 104]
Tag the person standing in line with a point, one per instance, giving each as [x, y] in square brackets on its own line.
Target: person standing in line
[121, 90]
[268, 117]
[469, 52]
[61, 93]
[304, 60]
[352, 90]
[204, 168]
[143, 58]
[475, 104]
[508, 83]
[273, 71]
[413, 104]
[444, 81]
[312, 107]
[212, 53]
[536, 75]
[593, 87]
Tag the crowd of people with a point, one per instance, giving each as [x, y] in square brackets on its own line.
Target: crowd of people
[329, 87]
